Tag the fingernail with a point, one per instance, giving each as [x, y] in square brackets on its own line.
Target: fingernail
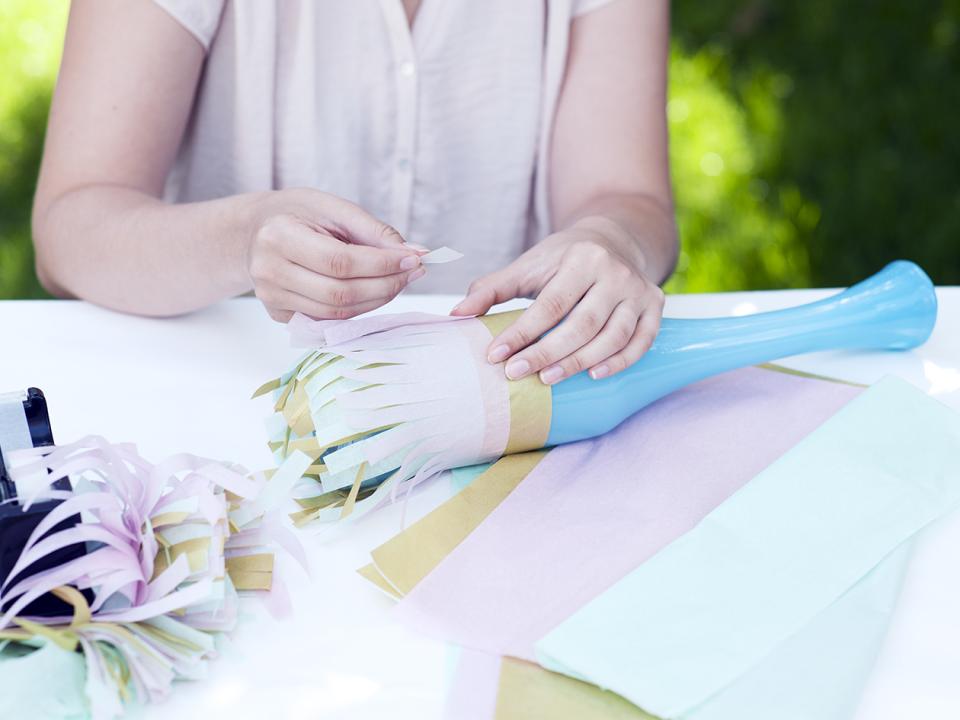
[516, 369]
[416, 275]
[498, 354]
[409, 262]
[600, 371]
[551, 375]
[415, 246]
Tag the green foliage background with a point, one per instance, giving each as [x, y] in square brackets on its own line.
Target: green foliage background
[812, 141]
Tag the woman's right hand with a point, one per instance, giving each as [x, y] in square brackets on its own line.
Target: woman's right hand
[317, 254]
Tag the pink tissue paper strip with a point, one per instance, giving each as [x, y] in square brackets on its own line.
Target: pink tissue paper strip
[305, 331]
[591, 512]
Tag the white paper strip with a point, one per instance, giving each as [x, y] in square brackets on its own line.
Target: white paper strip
[440, 255]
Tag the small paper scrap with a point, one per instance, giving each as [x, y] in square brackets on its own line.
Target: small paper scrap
[440, 255]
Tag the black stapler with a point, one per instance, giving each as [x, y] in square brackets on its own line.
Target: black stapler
[25, 423]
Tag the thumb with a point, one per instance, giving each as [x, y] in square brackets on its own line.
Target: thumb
[490, 290]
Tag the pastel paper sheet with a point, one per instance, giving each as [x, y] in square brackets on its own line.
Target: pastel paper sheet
[817, 674]
[697, 616]
[591, 512]
[47, 682]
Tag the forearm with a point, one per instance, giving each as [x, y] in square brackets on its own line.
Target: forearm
[642, 226]
[126, 250]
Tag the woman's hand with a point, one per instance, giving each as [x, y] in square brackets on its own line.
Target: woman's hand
[320, 255]
[590, 288]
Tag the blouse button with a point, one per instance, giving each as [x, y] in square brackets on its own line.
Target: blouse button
[403, 164]
[407, 69]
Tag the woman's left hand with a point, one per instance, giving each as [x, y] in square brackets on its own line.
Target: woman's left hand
[591, 287]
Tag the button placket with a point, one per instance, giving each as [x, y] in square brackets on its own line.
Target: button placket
[406, 83]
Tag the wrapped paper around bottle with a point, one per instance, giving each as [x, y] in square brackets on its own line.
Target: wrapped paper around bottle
[386, 401]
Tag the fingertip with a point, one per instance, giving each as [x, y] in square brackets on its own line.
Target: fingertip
[409, 262]
[551, 375]
[419, 249]
[470, 305]
[516, 369]
[462, 307]
[498, 353]
[600, 371]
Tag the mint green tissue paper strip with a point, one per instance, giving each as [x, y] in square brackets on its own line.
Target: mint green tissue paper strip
[46, 683]
[461, 477]
[821, 671]
[710, 606]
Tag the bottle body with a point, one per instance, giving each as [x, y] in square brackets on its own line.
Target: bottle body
[893, 310]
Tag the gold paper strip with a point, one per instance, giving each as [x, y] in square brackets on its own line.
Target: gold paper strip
[352, 497]
[268, 386]
[528, 692]
[407, 558]
[245, 580]
[812, 376]
[57, 634]
[168, 518]
[196, 551]
[282, 400]
[168, 638]
[370, 572]
[257, 562]
[73, 597]
[530, 400]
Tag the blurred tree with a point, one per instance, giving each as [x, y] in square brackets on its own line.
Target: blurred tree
[31, 38]
[851, 111]
[732, 235]
[811, 141]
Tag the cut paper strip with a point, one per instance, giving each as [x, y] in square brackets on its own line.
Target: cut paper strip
[765, 563]
[168, 547]
[440, 255]
[309, 333]
[591, 512]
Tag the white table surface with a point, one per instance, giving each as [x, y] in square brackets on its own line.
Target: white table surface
[184, 385]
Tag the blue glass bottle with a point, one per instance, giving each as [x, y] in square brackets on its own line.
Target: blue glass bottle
[893, 310]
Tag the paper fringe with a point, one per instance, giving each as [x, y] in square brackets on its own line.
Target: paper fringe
[385, 402]
[168, 548]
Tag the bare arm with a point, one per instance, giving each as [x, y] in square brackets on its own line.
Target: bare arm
[609, 160]
[596, 277]
[102, 233]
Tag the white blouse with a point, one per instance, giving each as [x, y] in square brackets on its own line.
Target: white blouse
[441, 131]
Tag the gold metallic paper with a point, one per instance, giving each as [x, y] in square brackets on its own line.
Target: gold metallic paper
[530, 400]
[404, 560]
[528, 692]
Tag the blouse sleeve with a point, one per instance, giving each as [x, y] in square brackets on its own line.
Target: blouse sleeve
[200, 18]
[582, 7]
